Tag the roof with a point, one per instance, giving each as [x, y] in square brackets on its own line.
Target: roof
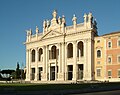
[111, 33]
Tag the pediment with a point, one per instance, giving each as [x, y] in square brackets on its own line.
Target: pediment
[51, 33]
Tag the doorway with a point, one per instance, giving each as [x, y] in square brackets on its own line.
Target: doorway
[70, 72]
[33, 74]
[80, 71]
[40, 72]
[52, 73]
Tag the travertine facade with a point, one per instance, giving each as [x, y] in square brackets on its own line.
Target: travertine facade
[61, 52]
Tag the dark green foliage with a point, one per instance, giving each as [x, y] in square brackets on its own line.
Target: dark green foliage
[18, 72]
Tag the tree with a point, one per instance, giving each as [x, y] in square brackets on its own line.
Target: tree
[18, 71]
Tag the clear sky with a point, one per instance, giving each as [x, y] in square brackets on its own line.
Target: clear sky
[16, 16]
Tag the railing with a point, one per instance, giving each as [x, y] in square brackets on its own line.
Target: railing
[81, 59]
[33, 36]
[80, 25]
[69, 27]
[52, 60]
[69, 60]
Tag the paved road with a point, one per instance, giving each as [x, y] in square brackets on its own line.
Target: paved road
[116, 92]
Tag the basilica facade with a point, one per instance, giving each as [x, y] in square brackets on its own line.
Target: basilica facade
[62, 53]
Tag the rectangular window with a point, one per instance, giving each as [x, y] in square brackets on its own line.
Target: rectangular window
[118, 42]
[118, 59]
[98, 62]
[98, 72]
[109, 74]
[109, 60]
[118, 73]
[109, 44]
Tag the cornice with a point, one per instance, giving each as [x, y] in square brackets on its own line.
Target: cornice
[73, 33]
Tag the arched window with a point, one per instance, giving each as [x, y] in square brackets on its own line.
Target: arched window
[70, 50]
[109, 44]
[98, 53]
[40, 54]
[33, 55]
[80, 49]
[53, 52]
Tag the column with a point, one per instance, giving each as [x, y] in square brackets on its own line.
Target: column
[27, 65]
[85, 59]
[56, 76]
[36, 64]
[63, 61]
[59, 58]
[60, 75]
[75, 61]
[43, 78]
[47, 68]
[90, 59]
[29, 58]
[44, 59]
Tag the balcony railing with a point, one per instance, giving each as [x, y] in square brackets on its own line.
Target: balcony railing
[80, 59]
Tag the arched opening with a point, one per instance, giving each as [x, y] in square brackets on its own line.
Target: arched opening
[40, 54]
[80, 49]
[33, 55]
[70, 50]
[53, 52]
[98, 53]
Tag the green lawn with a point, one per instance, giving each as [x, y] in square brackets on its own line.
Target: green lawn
[39, 87]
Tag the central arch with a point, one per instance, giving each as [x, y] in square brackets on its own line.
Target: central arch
[70, 50]
[80, 49]
[53, 52]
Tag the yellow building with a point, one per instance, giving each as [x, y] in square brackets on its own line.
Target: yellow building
[99, 54]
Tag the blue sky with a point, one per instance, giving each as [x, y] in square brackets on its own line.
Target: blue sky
[16, 16]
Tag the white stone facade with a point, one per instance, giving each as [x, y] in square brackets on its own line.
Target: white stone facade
[60, 52]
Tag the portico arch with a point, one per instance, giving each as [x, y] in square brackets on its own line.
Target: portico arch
[70, 50]
[80, 49]
[40, 52]
[33, 55]
[53, 52]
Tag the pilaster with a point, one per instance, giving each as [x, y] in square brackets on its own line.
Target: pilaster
[36, 64]
[44, 59]
[27, 66]
[88, 60]
[85, 74]
[65, 64]
[60, 74]
[75, 61]
[47, 67]
[63, 60]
